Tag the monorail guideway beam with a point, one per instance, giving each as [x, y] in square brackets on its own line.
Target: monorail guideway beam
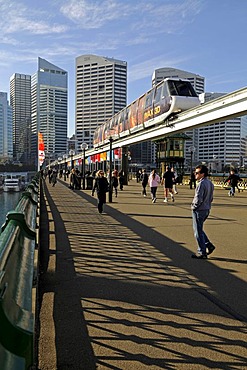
[218, 110]
[221, 109]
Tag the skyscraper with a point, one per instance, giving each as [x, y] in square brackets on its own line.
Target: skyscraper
[49, 93]
[6, 139]
[20, 100]
[101, 91]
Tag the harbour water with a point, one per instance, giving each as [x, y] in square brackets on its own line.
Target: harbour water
[8, 202]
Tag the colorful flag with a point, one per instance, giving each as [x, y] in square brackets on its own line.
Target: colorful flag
[41, 149]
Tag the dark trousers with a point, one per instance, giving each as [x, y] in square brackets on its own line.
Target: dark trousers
[101, 201]
[153, 192]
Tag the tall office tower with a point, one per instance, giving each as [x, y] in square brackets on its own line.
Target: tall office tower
[20, 100]
[224, 143]
[198, 83]
[49, 109]
[101, 91]
[6, 137]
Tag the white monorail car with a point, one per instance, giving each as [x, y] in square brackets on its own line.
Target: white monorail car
[164, 101]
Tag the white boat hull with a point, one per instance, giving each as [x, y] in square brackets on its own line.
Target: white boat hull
[11, 185]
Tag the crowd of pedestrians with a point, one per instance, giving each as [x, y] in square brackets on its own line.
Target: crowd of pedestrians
[168, 180]
[201, 203]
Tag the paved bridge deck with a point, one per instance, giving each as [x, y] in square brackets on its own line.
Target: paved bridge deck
[120, 290]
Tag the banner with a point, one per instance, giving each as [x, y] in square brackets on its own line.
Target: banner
[41, 149]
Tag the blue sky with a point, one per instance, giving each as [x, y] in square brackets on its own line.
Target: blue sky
[207, 37]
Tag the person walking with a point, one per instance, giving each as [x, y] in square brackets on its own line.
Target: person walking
[121, 179]
[54, 177]
[153, 182]
[174, 187]
[50, 172]
[72, 179]
[233, 180]
[144, 180]
[168, 180]
[114, 182]
[200, 207]
[101, 186]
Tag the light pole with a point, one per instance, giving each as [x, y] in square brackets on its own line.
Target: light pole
[110, 169]
[65, 167]
[72, 153]
[192, 149]
[47, 155]
[84, 147]
[59, 166]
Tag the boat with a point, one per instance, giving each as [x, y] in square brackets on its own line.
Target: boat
[12, 185]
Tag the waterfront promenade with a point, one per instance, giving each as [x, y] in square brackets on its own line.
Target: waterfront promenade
[120, 290]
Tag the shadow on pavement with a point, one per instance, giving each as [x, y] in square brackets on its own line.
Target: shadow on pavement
[127, 297]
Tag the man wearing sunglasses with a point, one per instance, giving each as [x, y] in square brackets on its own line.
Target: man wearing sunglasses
[201, 206]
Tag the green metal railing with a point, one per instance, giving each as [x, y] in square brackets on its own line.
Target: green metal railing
[18, 274]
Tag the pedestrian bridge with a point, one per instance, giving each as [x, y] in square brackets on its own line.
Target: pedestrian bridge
[119, 290]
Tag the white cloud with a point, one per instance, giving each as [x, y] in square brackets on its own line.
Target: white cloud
[16, 18]
[94, 14]
[145, 69]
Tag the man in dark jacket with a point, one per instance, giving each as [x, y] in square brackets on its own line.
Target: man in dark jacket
[144, 180]
[233, 180]
[101, 186]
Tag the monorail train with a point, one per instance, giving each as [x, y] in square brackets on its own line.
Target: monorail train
[163, 102]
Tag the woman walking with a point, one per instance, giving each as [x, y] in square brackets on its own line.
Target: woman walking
[153, 182]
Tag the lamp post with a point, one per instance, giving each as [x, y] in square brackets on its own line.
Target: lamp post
[110, 170]
[59, 166]
[47, 156]
[65, 167]
[84, 147]
[72, 153]
[192, 149]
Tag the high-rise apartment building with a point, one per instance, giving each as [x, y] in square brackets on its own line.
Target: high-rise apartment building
[49, 111]
[224, 143]
[198, 82]
[6, 138]
[101, 91]
[20, 100]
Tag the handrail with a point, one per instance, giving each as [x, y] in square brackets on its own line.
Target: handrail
[17, 277]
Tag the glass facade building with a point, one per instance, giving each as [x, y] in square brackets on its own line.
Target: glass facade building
[49, 110]
[6, 139]
[20, 100]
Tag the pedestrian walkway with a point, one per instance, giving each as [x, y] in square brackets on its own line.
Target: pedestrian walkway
[119, 290]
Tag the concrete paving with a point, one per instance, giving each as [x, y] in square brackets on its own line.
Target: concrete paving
[119, 290]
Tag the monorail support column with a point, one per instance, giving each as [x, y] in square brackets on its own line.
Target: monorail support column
[125, 163]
